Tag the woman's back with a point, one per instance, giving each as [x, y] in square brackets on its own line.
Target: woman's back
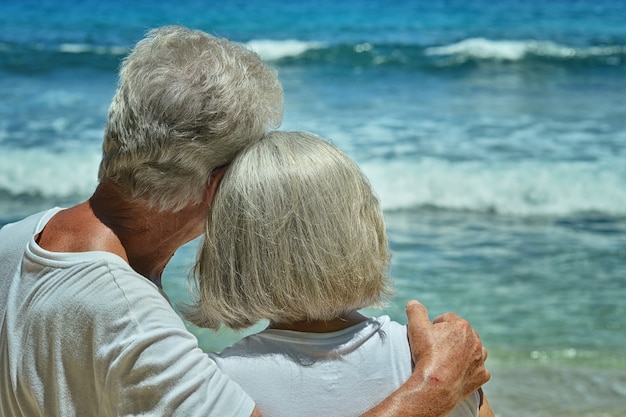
[342, 373]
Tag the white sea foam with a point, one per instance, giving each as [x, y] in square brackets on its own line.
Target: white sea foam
[79, 48]
[74, 48]
[482, 48]
[271, 50]
[524, 188]
[515, 50]
[520, 188]
[48, 174]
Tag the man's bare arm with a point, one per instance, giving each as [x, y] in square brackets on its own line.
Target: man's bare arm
[449, 365]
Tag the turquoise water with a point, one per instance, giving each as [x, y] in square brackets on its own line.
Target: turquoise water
[493, 133]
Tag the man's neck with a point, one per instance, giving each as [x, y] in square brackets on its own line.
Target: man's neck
[144, 237]
[150, 236]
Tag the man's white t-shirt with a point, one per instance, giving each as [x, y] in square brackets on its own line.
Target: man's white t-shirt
[339, 374]
[82, 334]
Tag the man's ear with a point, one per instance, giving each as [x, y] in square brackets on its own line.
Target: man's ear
[214, 182]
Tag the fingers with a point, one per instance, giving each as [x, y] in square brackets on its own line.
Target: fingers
[487, 377]
[472, 342]
[453, 317]
[419, 330]
[417, 314]
[487, 373]
[449, 349]
[447, 317]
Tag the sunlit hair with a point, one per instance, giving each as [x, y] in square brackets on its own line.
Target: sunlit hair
[295, 233]
[186, 103]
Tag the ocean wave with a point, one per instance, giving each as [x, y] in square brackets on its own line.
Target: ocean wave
[468, 51]
[517, 50]
[38, 58]
[271, 50]
[65, 48]
[25, 57]
[81, 48]
[531, 188]
[42, 173]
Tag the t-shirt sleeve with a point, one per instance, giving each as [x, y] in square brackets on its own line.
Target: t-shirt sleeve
[156, 367]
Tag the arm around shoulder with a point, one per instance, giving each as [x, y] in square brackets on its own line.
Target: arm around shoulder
[449, 365]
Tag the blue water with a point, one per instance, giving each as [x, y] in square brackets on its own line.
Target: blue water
[493, 132]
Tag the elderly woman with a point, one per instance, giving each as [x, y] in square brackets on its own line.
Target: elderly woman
[297, 237]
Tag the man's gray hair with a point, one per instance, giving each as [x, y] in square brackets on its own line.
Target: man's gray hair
[186, 103]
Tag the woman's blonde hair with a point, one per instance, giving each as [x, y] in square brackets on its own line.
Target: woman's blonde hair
[295, 233]
[186, 103]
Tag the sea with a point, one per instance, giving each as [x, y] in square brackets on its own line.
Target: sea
[494, 134]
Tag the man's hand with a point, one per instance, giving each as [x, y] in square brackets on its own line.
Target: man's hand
[449, 365]
[448, 352]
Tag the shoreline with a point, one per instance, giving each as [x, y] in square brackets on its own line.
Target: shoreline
[545, 391]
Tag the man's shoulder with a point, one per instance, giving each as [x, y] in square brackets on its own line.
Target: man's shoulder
[95, 290]
[108, 286]
[16, 233]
